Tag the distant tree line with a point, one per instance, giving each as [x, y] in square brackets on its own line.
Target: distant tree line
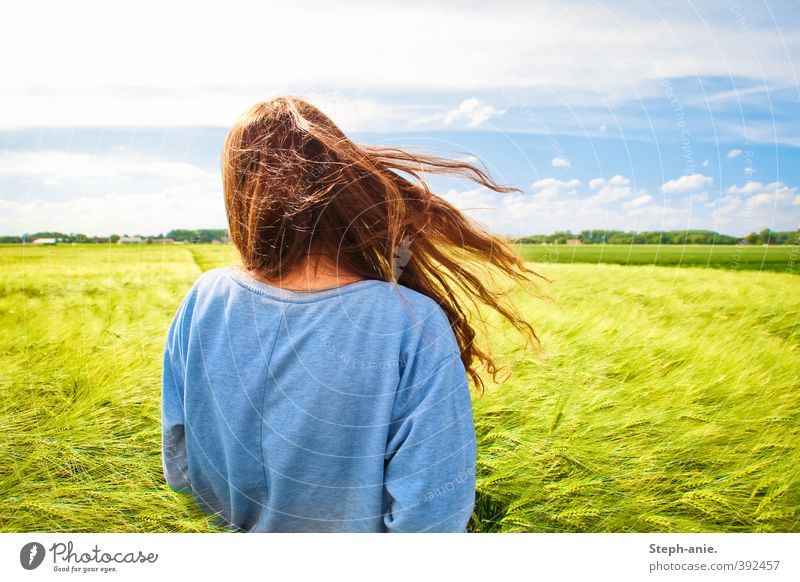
[59, 236]
[202, 235]
[674, 237]
[671, 237]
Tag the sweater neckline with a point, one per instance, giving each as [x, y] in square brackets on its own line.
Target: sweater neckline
[296, 296]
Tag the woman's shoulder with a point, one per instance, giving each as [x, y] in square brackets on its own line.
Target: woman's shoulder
[421, 302]
[399, 305]
[207, 278]
[205, 283]
[214, 273]
[418, 313]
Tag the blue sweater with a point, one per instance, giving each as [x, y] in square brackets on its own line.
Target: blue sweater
[338, 410]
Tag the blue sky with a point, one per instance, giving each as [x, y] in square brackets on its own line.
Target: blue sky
[661, 115]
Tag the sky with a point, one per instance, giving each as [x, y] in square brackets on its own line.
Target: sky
[606, 115]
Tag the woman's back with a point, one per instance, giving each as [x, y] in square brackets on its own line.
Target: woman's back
[346, 409]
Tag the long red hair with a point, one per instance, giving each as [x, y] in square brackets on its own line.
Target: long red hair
[295, 185]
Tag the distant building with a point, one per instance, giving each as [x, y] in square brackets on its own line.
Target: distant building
[573, 241]
[160, 241]
[44, 241]
[130, 240]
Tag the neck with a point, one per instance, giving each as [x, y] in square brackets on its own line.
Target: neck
[317, 272]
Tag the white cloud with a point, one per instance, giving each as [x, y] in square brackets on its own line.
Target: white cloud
[473, 111]
[190, 205]
[471, 199]
[616, 180]
[661, 211]
[766, 198]
[727, 204]
[768, 130]
[690, 183]
[705, 163]
[553, 188]
[617, 207]
[158, 107]
[733, 154]
[734, 95]
[54, 167]
[640, 200]
[174, 75]
[609, 190]
[748, 188]
[111, 192]
[763, 195]
[758, 187]
[556, 183]
[755, 205]
[561, 162]
[524, 214]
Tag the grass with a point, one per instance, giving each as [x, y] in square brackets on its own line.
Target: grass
[667, 399]
[83, 331]
[778, 258]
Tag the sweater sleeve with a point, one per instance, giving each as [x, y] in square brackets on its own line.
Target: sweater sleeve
[173, 439]
[429, 476]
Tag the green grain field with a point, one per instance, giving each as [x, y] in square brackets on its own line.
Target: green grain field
[778, 258]
[666, 399]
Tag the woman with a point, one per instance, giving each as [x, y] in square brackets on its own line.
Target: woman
[324, 385]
